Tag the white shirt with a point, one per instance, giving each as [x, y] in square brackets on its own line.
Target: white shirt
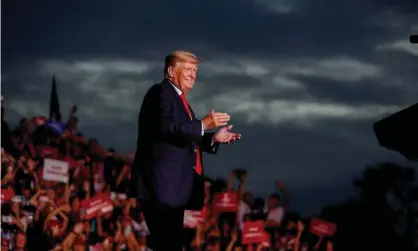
[243, 209]
[141, 228]
[276, 214]
[180, 92]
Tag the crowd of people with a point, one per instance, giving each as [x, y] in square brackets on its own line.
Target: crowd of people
[62, 191]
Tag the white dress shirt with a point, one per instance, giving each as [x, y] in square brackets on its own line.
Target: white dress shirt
[276, 214]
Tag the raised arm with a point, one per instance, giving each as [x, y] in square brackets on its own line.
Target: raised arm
[300, 228]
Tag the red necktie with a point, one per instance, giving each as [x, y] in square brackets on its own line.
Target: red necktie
[198, 160]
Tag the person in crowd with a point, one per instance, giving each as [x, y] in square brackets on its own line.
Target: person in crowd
[276, 207]
[6, 136]
[40, 213]
[21, 135]
[167, 174]
[245, 198]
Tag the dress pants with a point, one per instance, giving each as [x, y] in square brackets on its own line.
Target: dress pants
[165, 225]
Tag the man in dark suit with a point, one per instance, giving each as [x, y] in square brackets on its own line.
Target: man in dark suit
[167, 173]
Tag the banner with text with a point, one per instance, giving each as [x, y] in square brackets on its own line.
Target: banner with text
[253, 232]
[226, 202]
[194, 218]
[6, 195]
[322, 228]
[55, 170]
[93, 205]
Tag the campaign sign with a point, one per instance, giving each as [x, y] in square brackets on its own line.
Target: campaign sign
[93, 205]
[253, 232]
[6, 195]
[322, 228]
[55, 170]
[194, 218]
[226, 202]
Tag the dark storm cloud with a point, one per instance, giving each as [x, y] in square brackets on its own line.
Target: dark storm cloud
[366, 92]
[138, 28]
[228, 82]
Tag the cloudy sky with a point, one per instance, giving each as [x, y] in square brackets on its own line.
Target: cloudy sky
[303, 80]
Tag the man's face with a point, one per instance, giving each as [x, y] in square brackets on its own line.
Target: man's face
[31, 165]
[185, 76]
[15, 207]
[75, 205]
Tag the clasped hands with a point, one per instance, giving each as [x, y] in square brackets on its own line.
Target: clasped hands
[219, 119]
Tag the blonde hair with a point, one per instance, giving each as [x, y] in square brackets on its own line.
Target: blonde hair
[180, 57]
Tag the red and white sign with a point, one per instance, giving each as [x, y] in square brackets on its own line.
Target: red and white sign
[253, 232]
[226, 202]
[194, 218]
[322, 228]
[55, 170]
[93, 205]
[6, 195]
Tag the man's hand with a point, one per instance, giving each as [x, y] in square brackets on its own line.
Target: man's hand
[215, 119]
[224, 136]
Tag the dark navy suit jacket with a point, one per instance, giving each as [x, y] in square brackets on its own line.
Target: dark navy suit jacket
[162, 171]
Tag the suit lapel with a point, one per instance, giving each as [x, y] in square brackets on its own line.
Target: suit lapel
[176, 98]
